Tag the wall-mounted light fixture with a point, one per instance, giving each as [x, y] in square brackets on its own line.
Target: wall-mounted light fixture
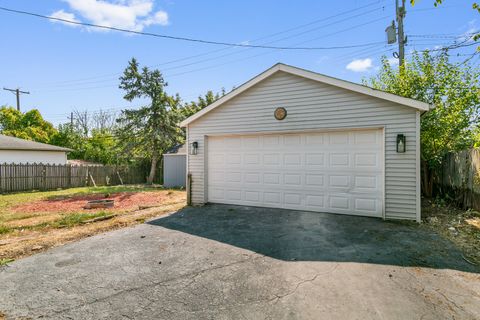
[193, 148]
[401, 143]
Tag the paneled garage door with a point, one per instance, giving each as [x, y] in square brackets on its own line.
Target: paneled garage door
[338, 172]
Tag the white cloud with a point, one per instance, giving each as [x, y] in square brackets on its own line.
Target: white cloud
[360, 65]
[60, 14]
[125, 14]
[160, 17]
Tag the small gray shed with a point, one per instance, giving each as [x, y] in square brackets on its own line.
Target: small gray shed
[174, 167]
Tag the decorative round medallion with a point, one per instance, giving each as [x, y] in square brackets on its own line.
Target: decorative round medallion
[280, 113]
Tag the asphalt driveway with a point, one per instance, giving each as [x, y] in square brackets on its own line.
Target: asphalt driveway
[230, 262]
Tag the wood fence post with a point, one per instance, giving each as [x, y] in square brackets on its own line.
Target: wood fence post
[69, 175]
[86, 176]
[44, 176]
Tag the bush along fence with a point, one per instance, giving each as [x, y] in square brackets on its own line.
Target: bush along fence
[27, 177]
[459, 178]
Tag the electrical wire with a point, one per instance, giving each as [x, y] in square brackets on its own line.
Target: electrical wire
[80, 82]
[157, 35]
[231, 61]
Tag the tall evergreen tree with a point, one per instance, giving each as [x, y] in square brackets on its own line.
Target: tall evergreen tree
[150, 130]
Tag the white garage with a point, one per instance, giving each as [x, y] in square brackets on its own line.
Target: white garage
[290, 138]
[339, 172]
[20, 151]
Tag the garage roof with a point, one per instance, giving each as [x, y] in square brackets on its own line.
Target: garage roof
[12, 143]
[312, 76]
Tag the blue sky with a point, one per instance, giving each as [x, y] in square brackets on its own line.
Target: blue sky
[66, 67]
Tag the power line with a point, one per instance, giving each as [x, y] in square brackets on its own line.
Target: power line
[439, 7]
[99, 110]
[157, 35]
[360, 52]
[86, 80]
[232, 61]
[451, 47]
[440, 36]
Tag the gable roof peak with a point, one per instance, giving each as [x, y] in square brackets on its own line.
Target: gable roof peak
[351, 86]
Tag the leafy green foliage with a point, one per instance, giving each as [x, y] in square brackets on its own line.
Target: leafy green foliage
[29, 125]
[73, 219]
[4, 229]
[5, 261]
[99, 146]
[69, 138]
[453, 91]
[202, 102]
[150, 130]
[476, 137]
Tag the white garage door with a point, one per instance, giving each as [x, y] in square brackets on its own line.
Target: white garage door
[338, 172]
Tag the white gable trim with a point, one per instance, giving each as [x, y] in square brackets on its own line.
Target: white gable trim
[312, 76]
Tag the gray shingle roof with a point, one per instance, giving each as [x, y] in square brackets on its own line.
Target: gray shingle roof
[11, 143]
[178, 149]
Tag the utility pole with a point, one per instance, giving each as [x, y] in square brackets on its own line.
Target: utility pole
[401, 12]
[17, 92]
[71, 121]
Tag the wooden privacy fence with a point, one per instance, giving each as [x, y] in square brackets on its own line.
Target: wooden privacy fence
[26, 177]
[459, 178]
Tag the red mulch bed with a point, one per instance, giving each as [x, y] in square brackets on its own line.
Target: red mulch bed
[123, 201]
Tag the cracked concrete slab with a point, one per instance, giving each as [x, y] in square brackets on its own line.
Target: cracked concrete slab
[230, 262]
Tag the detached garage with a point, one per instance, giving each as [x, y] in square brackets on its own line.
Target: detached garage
[295, 139]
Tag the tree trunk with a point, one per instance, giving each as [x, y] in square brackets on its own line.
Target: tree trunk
[427, 180]
[153, 169]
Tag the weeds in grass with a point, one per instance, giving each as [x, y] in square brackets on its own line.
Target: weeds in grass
[5, 262]
[4, 229]
[77, 192]
[76, 219]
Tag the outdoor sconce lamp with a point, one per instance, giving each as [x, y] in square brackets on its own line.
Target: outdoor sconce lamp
[401, 141]
[193, 148]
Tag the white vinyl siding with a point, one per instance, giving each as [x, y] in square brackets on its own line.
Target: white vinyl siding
[30, 156]
[312, 105]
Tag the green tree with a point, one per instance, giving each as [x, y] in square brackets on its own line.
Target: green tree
[101, 147]
[452, 89]
[152, 129]
[68, 137]
[29, 125]
[202, 102]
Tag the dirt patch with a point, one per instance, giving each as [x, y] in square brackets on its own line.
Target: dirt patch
[35, 226]
[32, 221]
[474, 222]
[462, 227]
[123, 201]
[40, 241]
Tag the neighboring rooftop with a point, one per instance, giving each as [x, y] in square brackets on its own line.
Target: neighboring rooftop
[79, 162]
[178, 149]
[12, 143]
